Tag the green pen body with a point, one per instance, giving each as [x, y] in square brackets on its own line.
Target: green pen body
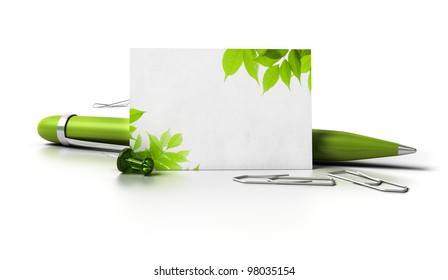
[328, 145]
[93, 129]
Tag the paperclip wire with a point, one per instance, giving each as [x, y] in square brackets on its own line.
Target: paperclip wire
[303, 181]
[376, 185]
[123, 103]
[245, 179]
[283, 179]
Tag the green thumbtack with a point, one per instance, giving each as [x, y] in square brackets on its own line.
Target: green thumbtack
[128, 163]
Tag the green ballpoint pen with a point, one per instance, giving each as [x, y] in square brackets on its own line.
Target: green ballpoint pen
[330, 145]
[113, 134]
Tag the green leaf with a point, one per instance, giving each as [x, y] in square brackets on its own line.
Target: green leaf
[159, 166]
[261, 51]
[285, 73]
[171, 164]
[270, 57]
[197, 167]
[165, 138]
[231, 61]
[306, 63]
[184, 153]
[270, 78]
[250, 63]
[176, 157]
[282, 52]
[142, 154]
[131, 130]
[309, 80]
[175, 141]
[304, 52]
[135, 114]
[137, 142]
[294, 63]
[155, 147]
[275, 53]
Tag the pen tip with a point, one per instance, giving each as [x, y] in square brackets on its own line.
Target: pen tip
[404, 150]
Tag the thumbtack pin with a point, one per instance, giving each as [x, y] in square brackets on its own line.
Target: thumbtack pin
[128, 163]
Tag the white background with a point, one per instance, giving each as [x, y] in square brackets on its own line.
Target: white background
[379, 69]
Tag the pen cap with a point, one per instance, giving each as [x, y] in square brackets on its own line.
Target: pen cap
[47, 128]
[93, 129]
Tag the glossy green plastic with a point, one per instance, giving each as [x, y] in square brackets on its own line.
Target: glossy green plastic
[329, 145]
[94, 129]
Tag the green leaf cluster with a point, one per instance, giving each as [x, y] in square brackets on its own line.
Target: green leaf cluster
[160, 149]
[134, 115]
[280, 63]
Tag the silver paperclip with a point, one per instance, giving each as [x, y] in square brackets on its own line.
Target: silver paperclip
[123, 103]
[376, 182]
[283, 179]
[303, 181]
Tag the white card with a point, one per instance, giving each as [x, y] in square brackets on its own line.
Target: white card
[195, 118]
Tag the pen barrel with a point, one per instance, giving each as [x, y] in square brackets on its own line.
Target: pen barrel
[92, 129]
[99, 129]
[329, 145]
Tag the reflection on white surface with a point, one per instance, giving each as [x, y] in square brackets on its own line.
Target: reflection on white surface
[75, 155]
[76, 203]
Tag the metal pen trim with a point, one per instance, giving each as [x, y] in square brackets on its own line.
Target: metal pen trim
[64, 140]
